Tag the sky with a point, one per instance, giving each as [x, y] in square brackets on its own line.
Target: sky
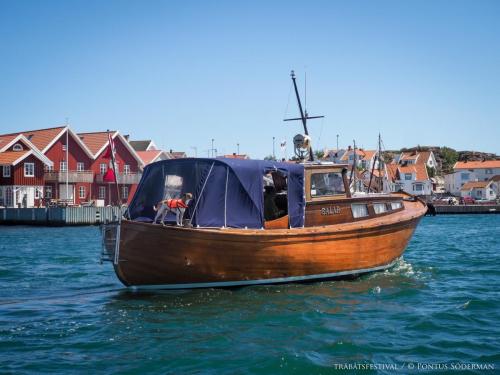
[185, 72]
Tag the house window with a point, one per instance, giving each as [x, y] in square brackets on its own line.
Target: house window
[408, 176]
[102, 192]
[488, 171]
[17, 147]
[125, 192]
[38, 192]
[464, 176]
[63, 167]
[126, 169]
[81, 192]
[418, 187]
[64, 147]
[29, 169]
[103, 167]
[48, 192]
[359, 210]
[6, 170]
[80, 167]
[49, 168]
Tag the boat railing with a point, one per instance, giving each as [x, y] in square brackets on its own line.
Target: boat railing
[110, 234]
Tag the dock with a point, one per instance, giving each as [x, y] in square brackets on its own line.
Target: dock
[467, 209]
[59, 216]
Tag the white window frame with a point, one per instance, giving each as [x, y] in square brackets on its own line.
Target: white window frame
[80, 166]
[81, 192]
[103, 168]
[102, 192]
[63, 166]
[124, 192]
[421, 187]
[17, 147]
[7, 171]
[126, 169]
[410, 175]
[29, 169]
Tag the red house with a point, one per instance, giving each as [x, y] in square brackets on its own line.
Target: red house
[69, 167]
[128, 167]
[21, 172]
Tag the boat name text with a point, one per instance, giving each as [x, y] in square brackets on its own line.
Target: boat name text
[332, 210]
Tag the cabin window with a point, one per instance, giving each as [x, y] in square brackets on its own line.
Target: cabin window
[48, 192]
[81, 192]
[359, 210]
[275, 196]
[173, 187]
[80, 167]
[6, 170]
[102, 192]
[103, 168]
[63, 166]
[379, 208]
[17, 147]
[29, 169]
[396, 205]
[325, 184]
[125, 192]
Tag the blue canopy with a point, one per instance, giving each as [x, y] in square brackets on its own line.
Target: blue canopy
[226, 192]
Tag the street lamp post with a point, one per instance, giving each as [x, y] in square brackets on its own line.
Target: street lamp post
[212, 147]
[337, 142]
[274, 154]
[238, 148]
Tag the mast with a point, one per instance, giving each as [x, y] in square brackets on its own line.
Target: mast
[379, 159]
[303, 114]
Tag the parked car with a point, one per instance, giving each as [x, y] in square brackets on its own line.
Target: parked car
[467, 200]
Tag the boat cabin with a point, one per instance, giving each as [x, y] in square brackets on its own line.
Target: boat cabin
[259, 194]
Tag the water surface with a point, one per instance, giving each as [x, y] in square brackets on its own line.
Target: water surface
[63, 312]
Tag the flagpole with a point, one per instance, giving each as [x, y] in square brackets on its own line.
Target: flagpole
[118, 201]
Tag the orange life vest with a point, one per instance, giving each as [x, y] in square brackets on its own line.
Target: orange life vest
[176, 203]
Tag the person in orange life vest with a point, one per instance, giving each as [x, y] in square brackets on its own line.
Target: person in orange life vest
[177, 206]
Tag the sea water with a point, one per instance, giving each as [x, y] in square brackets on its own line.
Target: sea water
[438, 309]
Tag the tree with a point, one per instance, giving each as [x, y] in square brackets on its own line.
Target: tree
[319, 154]
[450, 157]
[270, 157]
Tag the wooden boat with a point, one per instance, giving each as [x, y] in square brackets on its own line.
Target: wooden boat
[257, 222]
[341, 235]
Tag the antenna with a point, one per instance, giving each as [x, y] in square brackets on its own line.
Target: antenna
[303, 114]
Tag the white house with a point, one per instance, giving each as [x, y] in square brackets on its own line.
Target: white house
[412, 179]
[480, 190]
[471, 171]
[365, 159]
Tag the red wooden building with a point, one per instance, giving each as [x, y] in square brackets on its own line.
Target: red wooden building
[69, 167]
[128, 167]
[21, 172]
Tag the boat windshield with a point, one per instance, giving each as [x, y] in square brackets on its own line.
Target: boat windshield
[326, 184]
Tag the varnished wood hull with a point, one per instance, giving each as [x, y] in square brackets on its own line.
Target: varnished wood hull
[153, 256]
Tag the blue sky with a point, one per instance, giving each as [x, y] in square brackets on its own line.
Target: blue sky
[184, 72]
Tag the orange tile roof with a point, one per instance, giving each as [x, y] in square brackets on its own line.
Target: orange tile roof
[392, 171]
[95, 141]
[5, 139]
[40, 138]
[9, 157]
[477, 164]
[475, 184]
[149, 156]
[234, 156]
[366, 154]
[419, 169]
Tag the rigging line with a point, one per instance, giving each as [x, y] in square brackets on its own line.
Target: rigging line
[321, 131]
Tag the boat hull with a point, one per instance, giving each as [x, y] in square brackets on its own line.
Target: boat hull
[153, 256]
